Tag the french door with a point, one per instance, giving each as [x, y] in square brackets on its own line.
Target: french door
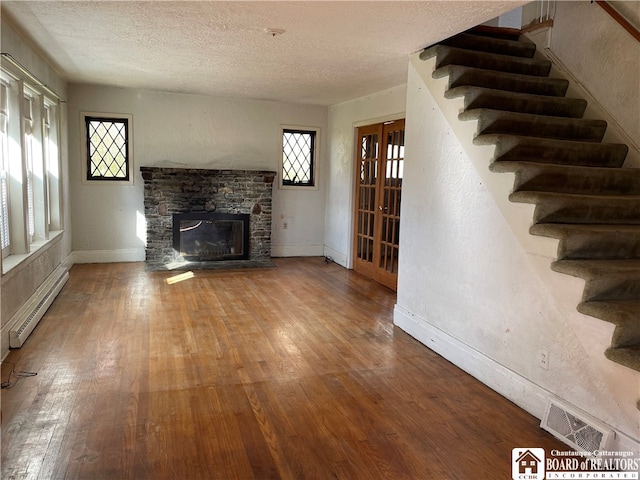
[380, 165]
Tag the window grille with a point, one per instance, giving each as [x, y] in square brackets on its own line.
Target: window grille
[298, 157]
[107, 142]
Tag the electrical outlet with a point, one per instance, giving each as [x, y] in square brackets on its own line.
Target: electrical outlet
[285, 225]
[543, 359]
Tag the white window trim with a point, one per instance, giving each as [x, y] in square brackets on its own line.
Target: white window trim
[5, 208]
[20, 83]
[55, 214]
[316, 158]
[83, 149]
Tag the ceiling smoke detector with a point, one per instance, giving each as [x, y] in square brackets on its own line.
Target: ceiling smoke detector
[274, 32]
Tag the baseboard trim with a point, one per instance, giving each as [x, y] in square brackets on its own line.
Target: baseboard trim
[297, 250]
[109, 256]
[524, 393]
[338, 257]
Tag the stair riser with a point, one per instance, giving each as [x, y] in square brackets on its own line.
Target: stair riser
[626, 336]
[507, 65]
[612, 183]
[626, 357]
[592, 242]
[587, 154]
[608, 288]
[561, 158]
[467, 76]
[599, 247]
[541, 128]
[492, 45]
[569, 108]
[627, 331]
[492, 32]
[616, 212]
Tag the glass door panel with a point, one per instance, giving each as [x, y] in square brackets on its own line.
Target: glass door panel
[378, 190]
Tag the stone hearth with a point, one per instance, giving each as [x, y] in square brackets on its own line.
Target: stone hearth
[186, 190]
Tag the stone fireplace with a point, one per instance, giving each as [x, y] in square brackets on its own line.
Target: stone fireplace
[198, 218]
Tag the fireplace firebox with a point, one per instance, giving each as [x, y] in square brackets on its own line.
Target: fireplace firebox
[207, 237]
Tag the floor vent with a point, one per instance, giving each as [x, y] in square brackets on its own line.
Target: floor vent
[575, 428]
[28, 317]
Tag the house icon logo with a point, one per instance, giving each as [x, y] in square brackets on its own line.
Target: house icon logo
[527, 463]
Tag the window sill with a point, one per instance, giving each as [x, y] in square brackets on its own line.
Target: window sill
[13, 261]
[298, 187]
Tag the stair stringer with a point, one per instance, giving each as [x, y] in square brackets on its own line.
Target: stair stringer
[593, 334]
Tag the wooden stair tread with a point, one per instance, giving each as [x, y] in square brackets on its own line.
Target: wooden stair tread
[557, 151]
[446, 55]
[473, 114]
[481, 43]
[624, 314]
[615, 311]
[551, 143]
[483, 97]
[461, 75]
[535, 196]
[558, 230]
[510, 101]
[495, 32]
[492, 121]
[566, 178]
[504, 166]
[591, 268]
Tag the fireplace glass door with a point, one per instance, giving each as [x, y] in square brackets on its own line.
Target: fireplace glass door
[205, 237]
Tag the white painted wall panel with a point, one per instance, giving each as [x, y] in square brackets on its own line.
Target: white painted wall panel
[603, 56]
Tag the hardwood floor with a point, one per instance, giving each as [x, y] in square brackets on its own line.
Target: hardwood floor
[292, 372]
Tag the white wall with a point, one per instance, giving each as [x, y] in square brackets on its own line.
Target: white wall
[467, 285]
[189, 131]
[343, 120]
[603, 57]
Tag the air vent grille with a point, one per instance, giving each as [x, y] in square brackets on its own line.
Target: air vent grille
[575, 428]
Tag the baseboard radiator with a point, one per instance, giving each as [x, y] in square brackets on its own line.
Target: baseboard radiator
[27, 318]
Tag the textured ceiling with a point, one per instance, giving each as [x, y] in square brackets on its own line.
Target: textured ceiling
[329, 52]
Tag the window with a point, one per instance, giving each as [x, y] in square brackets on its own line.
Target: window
[28, 145]
[30, 194]
[107, 147]
[299, 154]
[52, 171]
[4, 170]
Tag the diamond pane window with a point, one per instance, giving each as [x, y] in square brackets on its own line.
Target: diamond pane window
[298, 157]
[108, 155]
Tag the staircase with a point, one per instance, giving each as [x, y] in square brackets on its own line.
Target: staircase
[583, 195]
